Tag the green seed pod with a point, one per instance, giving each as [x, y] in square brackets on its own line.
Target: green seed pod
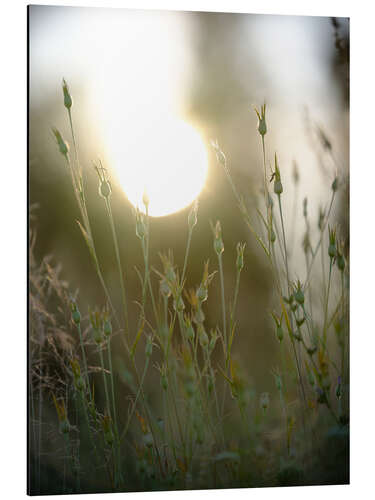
[76, 317]
[218, 241]
[97, 335]
[277, 187]
[105, 189]
[203, 337]
[299, 295]
[213, 340]
[272, 236]
[332, 251]
[107, 328]
[64, 426]
[279, 333]
[179, 304]
[262, 126]
[63, 145]
[67, 97]
[202, 293]
[335, 184]
[189, 330]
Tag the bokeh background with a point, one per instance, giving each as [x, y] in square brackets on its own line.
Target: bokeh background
[125, 68]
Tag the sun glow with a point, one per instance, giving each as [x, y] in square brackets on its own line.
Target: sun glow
[166, 158]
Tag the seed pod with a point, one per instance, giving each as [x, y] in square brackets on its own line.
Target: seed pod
[335, 184]
[105, 189]
[179, 304]
[189, 329]
[107, 328]
[218, 241]
[67, 97]
[63, 145]
[277, 185]
[202, 293]
[97, 335]
[76, 316]
[298, 294]
[279, 333]
[262, 126]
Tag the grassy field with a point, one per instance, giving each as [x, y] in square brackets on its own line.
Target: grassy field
[193, 419]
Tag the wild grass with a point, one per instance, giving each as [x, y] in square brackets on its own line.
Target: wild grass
[211, 428]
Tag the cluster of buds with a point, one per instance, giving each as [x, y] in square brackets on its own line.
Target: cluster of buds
[67, 97]
[279, 329]
[79, 382]
[105, 189]
[276, 178]
[193, 216]
[62, 144]
[218, 240]
[107, 430]
[262, 126]
[64, 425]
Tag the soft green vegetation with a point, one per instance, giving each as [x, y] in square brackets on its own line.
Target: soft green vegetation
[211, 428]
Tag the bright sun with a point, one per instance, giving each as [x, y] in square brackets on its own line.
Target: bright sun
[166, 158]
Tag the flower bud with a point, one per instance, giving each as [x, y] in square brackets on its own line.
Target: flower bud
[218, 241]
[67, 97]
[262, 126]
[277, 185]
[63, 145]
[335, 184]
[107, 328]
[298, 294]
[105, 189]
[332, 249]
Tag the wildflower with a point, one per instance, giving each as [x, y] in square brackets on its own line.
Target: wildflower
[262, 126]
[67, 97]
